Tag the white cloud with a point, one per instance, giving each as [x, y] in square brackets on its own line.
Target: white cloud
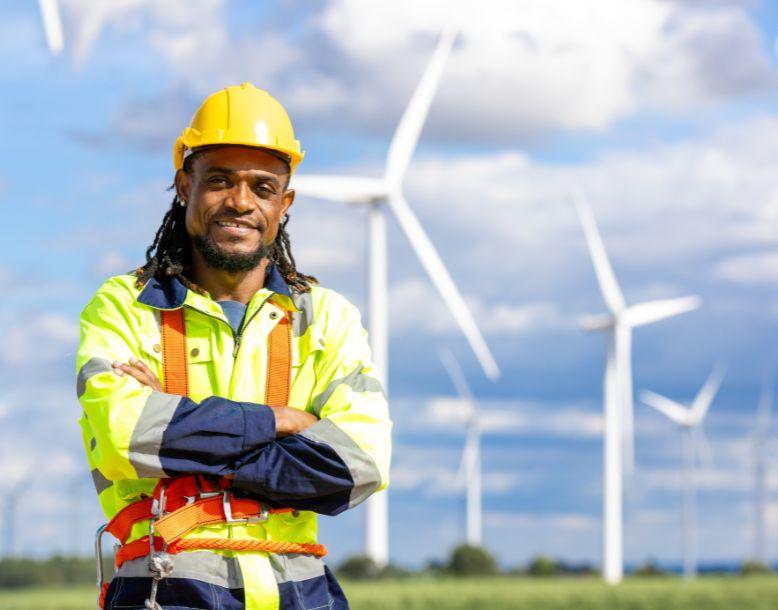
[522, 68]
[109, 263]
[39, 339]
[519, 71]
[515, 417]
[503, 319]
[760, 268]
[549, 521]
[670, 206]
[434, 472]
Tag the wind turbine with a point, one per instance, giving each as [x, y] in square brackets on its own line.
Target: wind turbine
[470, 467]
[13, 498]
[85, 22]
[52, 25]
[693, 444]
[618, 394]
[760, 439]
[378, 194]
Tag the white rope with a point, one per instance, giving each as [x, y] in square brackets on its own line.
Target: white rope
[161, 566]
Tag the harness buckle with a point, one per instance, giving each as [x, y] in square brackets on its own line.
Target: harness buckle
[228, 518]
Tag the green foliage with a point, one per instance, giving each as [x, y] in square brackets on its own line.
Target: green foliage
[359, 567]
[542, 565]
[499, 593]
[650, 568]
[469, 560]
[17, 572]
[751, 567]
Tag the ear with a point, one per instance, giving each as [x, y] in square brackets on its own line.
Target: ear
[183, 182]
[287, 201]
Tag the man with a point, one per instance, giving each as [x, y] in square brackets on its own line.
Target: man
[226, 397]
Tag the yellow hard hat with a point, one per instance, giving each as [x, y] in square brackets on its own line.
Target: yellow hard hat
[242, 115]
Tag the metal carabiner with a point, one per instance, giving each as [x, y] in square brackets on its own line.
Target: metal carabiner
[228, 518]
[99, 556]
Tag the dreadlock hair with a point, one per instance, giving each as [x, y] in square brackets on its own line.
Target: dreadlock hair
[170, 254]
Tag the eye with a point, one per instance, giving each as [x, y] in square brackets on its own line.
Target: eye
[217, 181]
[264, 190]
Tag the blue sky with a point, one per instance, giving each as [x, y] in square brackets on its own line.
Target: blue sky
[664, 111]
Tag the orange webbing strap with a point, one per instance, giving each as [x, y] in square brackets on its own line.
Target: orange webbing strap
[231, 544]
[174, 360]
[209, 511]
[120, 526]
[279, 363]
[140, 548]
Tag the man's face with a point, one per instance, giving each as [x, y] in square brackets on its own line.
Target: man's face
[235, 199]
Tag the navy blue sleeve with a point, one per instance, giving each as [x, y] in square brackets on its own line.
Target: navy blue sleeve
[209, 437]
[297, 472]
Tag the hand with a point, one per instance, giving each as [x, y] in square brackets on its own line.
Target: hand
[291, 421]
[138, 371]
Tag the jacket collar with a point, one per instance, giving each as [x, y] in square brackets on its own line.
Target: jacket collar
[170, 293]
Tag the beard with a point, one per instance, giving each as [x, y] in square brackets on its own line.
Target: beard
[216, 258]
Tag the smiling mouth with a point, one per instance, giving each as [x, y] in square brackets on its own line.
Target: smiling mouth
[234, 229]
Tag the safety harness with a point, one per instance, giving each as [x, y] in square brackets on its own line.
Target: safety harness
[180, 505]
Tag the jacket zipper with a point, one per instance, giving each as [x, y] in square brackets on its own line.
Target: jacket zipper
[241, 330]
[239, 335]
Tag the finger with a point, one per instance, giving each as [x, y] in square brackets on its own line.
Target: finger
[134, 373]
[140, 365]
[143, 367]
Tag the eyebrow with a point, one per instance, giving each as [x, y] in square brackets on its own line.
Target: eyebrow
[262, 175]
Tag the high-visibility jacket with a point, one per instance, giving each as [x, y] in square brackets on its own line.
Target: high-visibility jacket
[133, 435]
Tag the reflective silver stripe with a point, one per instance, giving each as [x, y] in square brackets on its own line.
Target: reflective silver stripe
[363, 469]
[91, 368]
[303, 319]
[101, 483]
[294, 567]
[198, 565]
[356, 380]
[146, 438]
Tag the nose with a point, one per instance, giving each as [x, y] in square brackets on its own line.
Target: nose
[242, 198]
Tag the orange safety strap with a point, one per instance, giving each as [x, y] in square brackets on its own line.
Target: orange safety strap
[140, 548]
[186, 508]
[186, 517]
[279, 363]
[207, 512]
[174, 359]
[120, 526]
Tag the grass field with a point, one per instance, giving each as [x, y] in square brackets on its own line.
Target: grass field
[720, 593]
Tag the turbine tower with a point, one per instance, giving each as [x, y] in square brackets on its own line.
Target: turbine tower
[693, 445]
[618, 445]
[470, 467]
[760, 439]
[378, 194]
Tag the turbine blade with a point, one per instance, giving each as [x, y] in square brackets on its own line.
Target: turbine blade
[653, 311]
[667, 407]
[442, 281]
[52, 25]
[609, 286]
[408, 130]
[456, 375]
[346, 189]
[706, 395]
